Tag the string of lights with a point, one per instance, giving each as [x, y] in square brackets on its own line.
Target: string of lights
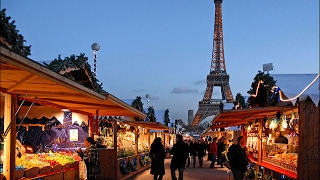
[312, 82]
[281, 93]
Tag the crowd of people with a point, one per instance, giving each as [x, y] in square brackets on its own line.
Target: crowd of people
[186, 152]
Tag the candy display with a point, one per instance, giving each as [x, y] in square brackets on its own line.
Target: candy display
[46, 159]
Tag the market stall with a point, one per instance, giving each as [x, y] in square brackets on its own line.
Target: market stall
[127, 148]
[298, 124]
[283, 137]
[26, 83]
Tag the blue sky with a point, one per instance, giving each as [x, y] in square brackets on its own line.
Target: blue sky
[163, 48]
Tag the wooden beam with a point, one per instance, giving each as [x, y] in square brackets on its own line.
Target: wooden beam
[45, 93]
[30, 77]
[73, 102]
[7, 67]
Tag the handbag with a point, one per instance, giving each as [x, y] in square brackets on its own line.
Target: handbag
[96, 169]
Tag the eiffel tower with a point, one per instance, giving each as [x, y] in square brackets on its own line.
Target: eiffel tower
[218, 75]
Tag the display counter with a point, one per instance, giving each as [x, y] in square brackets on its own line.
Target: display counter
[45, 165]
[273, 146]
[123, 150]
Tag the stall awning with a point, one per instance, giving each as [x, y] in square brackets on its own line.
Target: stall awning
[236, 117]
[34, 82]
[147, 125]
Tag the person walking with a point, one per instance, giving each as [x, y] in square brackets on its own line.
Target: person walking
[179, 152]
[90, 156]
[201, 152]
[189, 150]
[193, 152]
[157, 155]
[221, 151]
[213, 152]
[238, 158]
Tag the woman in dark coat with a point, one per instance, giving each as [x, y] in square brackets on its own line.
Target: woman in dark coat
[157, 155]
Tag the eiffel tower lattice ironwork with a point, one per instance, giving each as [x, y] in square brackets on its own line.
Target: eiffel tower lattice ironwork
[218, 75]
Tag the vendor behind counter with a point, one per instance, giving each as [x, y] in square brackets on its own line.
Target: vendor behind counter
[280, 138]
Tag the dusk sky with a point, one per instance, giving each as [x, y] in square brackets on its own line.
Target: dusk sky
[163, 48]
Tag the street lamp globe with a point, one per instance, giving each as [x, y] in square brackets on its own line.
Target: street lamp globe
[95, 46]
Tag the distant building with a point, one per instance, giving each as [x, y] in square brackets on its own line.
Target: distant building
[190, 116]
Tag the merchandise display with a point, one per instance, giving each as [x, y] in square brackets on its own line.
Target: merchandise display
[46, 159]
[143, 144]
[279, 144]
[126, 142]
[280, 148]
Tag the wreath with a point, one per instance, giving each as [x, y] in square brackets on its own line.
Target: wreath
[147, 159]
[250, 173]
[134, 166]
[141, 160]
[129, 166]
[123, 167]
[267, 177]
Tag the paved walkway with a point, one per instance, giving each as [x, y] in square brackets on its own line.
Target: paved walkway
[204, 173]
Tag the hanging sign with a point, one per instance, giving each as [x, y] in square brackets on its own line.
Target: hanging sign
[73, 134]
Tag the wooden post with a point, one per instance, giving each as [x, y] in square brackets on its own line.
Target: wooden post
[91, 124]
[9, 150]
[136, 140]
[164, 140]
[260, 141]
[309, 141]
[96, 123]
[149, 146]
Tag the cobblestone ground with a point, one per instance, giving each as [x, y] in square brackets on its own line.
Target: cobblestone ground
[190, 173]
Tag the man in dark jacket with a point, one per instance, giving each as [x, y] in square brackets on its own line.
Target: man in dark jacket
[201, 152]
[238, 159]
[179, 153]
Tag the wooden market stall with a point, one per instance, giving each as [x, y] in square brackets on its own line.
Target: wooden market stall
[299, 159]
[24, 80]
[128, 153]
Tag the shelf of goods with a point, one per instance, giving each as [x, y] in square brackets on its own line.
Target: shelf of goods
[282, 158]
[47, 165]
[130, 155]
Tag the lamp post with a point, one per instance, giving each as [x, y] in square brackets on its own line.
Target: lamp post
[95, 47]
[147, 96]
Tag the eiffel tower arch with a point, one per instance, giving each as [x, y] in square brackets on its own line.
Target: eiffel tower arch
[218, 76]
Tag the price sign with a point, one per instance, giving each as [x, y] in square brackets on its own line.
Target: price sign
[73, 134]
